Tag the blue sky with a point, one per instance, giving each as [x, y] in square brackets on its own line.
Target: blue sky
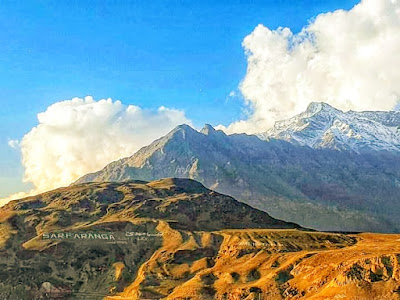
[179, 54]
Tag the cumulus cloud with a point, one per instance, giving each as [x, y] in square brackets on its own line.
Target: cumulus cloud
[19, 195]
[349, 59]
[79, 136]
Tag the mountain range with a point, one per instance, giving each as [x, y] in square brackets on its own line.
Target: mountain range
[322, 126]
[309, 169]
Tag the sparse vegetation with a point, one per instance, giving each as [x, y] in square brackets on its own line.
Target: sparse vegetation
[208, 291]
[378, 276]
[388, 265]
[256, 290]
[284, 276]
[253, 275]
[275, 264]
[235, 276]
[208, 262]
[356, 272]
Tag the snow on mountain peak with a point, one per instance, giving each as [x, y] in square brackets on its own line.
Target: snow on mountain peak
[316, 107]
[323, 126]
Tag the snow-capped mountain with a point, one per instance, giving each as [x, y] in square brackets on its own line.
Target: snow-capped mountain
[316, 188]
[323, 126]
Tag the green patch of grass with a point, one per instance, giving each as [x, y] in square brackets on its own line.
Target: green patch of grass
[208, 291]
[127, 276]
[388, 265]
[235, 276]
[378, 276]
[356, 272]
[208, 279]
[256, 290]
[275, 264]
[253, 275]
[284, 276]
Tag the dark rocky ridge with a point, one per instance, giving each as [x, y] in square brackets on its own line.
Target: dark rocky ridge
[184, 203]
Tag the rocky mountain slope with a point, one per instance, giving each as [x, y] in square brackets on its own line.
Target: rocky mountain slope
[323, 126]
[317, 188]
[175, 239]
[68, 240]
[271, 265]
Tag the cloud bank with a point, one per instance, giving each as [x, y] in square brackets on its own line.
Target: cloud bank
[79, 136]
[349, 59]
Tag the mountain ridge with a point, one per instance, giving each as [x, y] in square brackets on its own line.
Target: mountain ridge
[323, 126]
[323, 189]
[144, 200]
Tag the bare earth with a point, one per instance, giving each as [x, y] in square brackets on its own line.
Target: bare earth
[170, 241]
[271, 264]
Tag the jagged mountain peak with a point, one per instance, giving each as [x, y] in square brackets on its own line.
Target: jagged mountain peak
[211, 131]
[182, 130]
[207, 129]
[316, 107]
[323, 126]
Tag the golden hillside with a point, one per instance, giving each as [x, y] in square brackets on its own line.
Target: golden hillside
[175, 239]
[270, 264]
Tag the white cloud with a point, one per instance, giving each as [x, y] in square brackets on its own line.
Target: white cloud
[13, 144]
[349, 59]
[79, 136]
[19, 195]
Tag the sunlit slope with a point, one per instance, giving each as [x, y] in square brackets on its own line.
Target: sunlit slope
[175, 239]
[270, 264]
[91, 239]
